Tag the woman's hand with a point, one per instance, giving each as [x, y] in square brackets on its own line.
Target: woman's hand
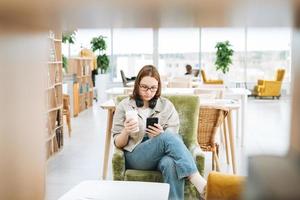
[130, 126]
[154, 131]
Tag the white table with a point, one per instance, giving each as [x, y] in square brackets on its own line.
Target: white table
[116, 190]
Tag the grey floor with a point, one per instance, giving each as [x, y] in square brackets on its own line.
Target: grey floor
[268, 125]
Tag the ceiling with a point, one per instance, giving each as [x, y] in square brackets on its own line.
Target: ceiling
[71, 14]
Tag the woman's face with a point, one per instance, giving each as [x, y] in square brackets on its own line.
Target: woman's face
[148, 87]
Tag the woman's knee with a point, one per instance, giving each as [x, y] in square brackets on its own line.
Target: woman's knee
[166, 164]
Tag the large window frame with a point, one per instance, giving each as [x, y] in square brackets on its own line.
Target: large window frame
[156, 54]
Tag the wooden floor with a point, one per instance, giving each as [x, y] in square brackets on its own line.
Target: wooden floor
[268, 125]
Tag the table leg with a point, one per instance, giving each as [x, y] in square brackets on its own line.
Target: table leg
[107, 143]
[231, 141]
[238, 127]
[243, 113]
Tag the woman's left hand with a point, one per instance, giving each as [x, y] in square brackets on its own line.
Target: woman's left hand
[155, 130]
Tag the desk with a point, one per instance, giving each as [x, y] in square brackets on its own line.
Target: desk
[225, 103]
[116, 190]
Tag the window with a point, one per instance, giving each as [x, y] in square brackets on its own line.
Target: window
[132, 48]
[268, 49]
[177, 47]
[83, 38]
[209, 39]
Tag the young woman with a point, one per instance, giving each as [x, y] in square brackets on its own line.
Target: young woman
[157, 147]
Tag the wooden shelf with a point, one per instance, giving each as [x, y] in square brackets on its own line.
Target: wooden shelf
[54, 62]
[54, 85]
[58, 127]
[54, 112]
[54, 109]
[57, 84]
[53, 133]
[55, 39]
[85, 76]
[82, 58]
[50, 137]
[82, 94]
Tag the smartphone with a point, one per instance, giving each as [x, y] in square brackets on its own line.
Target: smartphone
[151, 121]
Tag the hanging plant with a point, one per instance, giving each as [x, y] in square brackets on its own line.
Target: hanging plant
[224, 56]
[99, 44]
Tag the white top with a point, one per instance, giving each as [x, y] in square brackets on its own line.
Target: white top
[144, 113]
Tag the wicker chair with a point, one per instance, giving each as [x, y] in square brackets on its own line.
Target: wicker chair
[210, 118]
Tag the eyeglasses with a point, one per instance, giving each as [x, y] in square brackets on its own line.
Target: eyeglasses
[145, 88]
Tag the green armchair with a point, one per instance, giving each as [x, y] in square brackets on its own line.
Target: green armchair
[187, 107]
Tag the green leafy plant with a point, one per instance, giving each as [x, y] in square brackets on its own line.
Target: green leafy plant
[65, 62]
[99, 44]
[224, 56]
[69, 37]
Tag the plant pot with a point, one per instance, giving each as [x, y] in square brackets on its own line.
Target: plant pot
[225, 78]
[102, 83]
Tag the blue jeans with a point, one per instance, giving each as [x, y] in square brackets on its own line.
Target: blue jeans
[168, 154]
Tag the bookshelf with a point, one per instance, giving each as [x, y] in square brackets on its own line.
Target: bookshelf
[83, 88]
[54, 104]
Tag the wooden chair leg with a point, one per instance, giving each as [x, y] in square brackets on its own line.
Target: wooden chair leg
[69, 123]
[226, 143]
[216, 158]
[222, 135]
[213, 160]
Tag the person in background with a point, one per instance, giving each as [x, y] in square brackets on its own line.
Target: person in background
[158, 147]
[188, 69]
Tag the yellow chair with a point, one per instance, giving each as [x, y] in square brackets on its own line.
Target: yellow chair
[270, 88]
[209, 81]
[224, 186]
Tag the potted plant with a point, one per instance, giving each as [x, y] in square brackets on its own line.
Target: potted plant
[224, 56]
[65, 63]
[67, 37]
[99, 44]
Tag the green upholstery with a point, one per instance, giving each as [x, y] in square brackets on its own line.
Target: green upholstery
[187, 107]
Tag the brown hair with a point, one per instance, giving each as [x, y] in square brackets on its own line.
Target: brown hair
[147, 70]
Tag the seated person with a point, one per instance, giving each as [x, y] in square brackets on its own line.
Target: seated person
[189, 70]
[158, 147]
